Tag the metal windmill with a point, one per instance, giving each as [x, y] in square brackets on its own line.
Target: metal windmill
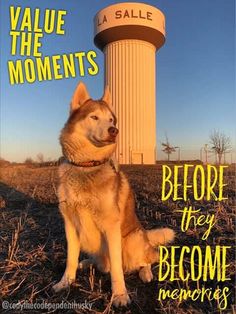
[168, 148]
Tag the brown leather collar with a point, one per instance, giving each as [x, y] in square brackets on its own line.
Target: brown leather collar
[91, 163]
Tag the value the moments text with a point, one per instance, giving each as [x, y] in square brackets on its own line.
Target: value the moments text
[28, 28]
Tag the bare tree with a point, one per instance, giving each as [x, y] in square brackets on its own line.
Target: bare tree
[3, 162]
[40, 158]
[29, 160]
[220, 144]
[168, 148]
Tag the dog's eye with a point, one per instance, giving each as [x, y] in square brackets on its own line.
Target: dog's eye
[94, 117]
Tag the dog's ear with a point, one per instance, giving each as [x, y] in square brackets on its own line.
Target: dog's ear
[80, 96]
[107, 96]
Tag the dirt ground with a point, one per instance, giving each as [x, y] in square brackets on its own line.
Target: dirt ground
[33, 247]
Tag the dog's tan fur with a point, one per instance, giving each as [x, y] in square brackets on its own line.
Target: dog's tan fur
[97, 203]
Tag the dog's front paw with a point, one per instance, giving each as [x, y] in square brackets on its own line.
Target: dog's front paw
[121, 299]
[145, 274]
[64, 283]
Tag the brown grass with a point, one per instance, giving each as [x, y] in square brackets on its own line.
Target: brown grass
[33, 247]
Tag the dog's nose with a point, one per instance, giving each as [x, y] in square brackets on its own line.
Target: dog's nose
[113, 131]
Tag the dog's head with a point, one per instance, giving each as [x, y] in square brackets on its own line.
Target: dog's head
[90, 132]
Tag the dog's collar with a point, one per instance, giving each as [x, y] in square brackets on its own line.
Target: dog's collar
[94, 163]
[91, 163]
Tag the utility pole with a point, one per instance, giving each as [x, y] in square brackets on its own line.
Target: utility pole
[206, 153]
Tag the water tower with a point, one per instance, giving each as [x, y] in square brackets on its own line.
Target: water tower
[129, 34]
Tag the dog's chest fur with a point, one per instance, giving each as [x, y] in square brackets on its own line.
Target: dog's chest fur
[86, 187]
[83, 191]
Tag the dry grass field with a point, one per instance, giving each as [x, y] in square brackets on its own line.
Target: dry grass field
[33, 247]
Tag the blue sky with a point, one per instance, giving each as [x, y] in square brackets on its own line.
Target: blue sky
[195, 77]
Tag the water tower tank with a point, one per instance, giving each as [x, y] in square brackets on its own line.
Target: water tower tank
[129, 34]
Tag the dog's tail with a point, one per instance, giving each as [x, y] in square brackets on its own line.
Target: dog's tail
[160, 236]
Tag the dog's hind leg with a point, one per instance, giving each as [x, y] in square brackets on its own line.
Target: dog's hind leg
[103, 263]
[145, 273]
[73, 250]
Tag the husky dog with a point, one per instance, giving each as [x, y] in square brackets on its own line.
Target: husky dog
[96, 200]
